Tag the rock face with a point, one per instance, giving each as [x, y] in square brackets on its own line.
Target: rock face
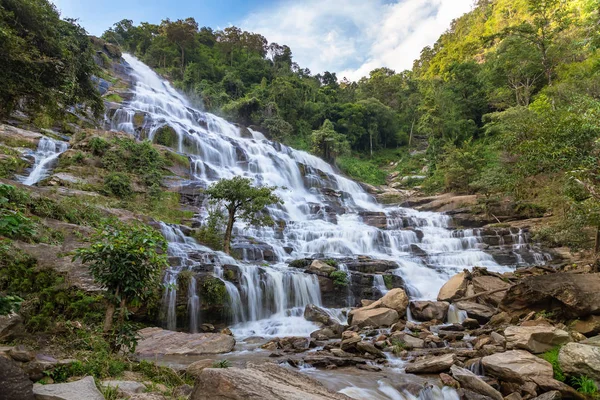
[480, 312]
[489, 283]
[14, 384]
[156, 341]
[9, 326]
[516, 366]
[581, 358]
[428, 310]
[536, 339]
[588, 326]
[568, 295]
[470, 381]
[431, 365]
[374, 317]
[317, 314]
[259, 382]
[82, 389]
[454, 289]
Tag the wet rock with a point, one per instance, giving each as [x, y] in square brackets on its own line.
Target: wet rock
[516, 366]
[447, 380]
[259, 382]
[451, 336]
[315, 313]
[429, 310]
[82, 389]
[409, 341]
[369, 265]
[14, 384]
[373, 317]
[368, 347]
[568, 295]
[470, 323]
[476, 311]
[324, 334]
[581, 358]
[321, 268]
[470, 381]
[455, 288]
[536, 339]
[374, 218]
[349, 340]
[11, 134]
[431, 364]
[156, 341]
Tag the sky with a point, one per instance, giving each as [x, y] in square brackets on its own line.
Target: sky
[349, 37]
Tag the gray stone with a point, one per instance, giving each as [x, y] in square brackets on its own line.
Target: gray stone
[82, 389]
[14, 384]
[126, 387]
[536, 339]
[428, 310]
[516, 366]
[10, 325]
[259, 382]
[431, 364]
[156, 341]
[374, 317]
[580, 359]
[553, 395]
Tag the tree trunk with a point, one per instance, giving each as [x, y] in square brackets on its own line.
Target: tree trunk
[227, 239]
[411, 132]
[108, 318]
[122, 310]
[597, 244]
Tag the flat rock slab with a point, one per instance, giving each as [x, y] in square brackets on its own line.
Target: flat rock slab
[259, 382]
[157, 341]
[516, 366]
[82, 389]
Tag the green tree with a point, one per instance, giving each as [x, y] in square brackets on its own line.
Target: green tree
[182, 33]
[243, 201]
[126, 260]
[327, 143]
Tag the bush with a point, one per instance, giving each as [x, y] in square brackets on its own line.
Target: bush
[118, 184]
[364, 171]
[552, 357]
[98, 146]
[340, 278]
[585, 385]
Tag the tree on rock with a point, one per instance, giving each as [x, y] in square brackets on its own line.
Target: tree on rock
[127, 260]
[242, 201]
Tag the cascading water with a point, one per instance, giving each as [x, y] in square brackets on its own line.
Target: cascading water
[45, 156]
[379, 284]
[322, 213]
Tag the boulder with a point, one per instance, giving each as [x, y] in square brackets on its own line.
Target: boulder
[552, 385]
[195, 368]
[480, 312]
[536, 339]
[321, 268]
[581, 359]
[82, 389]
[588, 326]
[22, 354]
[156, 341]
[14, 383]
[10, 325]
[373, 317]
[315, 313]
[125, 387]
[455, 288]
[567, 295]
[368, 347]
[17, 137]
[429, 310]
[488, 283]
[516, 366]
[396, 299]
[259, 382]
[470, 381]
[431, 364]
[409, 341]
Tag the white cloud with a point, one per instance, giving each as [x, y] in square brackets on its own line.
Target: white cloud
[353, 37]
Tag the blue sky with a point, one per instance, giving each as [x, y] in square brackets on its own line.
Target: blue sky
[349, 37]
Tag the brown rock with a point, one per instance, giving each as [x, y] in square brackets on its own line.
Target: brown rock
[431, 364]
[429, 310]
[487, 283]
[377, 317]
[480, 312]
[156, 341]
[455, 288]
[589, 326]
[471, 381]
[536, 339]
[195, 368]
[516, 366]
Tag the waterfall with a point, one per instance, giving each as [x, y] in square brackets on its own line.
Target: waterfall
[44, 157]
[455, 315]
[379, 284]
[322, 213]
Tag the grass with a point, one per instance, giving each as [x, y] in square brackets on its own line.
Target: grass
[552, 357]
[114, 98]
[585, 385]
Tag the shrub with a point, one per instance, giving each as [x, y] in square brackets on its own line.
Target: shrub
[552, 357]
[340, 278]
[98, 146]
[585, 385]
[118, 184]
[364, 171]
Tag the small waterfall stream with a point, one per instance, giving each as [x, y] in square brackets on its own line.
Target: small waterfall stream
[45, 156]
[324, 213]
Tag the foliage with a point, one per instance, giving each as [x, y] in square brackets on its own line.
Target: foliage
[242, 201]
[585, 385]
[387, 279]
[9, 304]
[212, 232]
[118, 184]
[221, 364]
[362, 170]
[398, 346]
[47, 62]
[327, 143]
[127, 261]
[340, 278]
[552, 357]
[213, 291]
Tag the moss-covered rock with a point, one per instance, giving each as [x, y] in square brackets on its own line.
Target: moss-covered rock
[166, 136]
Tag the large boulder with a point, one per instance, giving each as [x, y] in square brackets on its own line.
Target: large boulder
[489, 283]
[431, 364]
[588, 326]
[469, 380]
[14, 383]
[395, 299]
[320, 268]
[156, 341]
[259, 382]
[516, 366]
[455, 288]
[567, 295]
[82, 389]
[536, 339]
[428, 310]
[480, 312]
[315, 313]
[377, 317]
[581, 358]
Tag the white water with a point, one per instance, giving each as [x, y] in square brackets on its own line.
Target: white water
[379, 284]
[45, 156]
[271, 299]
